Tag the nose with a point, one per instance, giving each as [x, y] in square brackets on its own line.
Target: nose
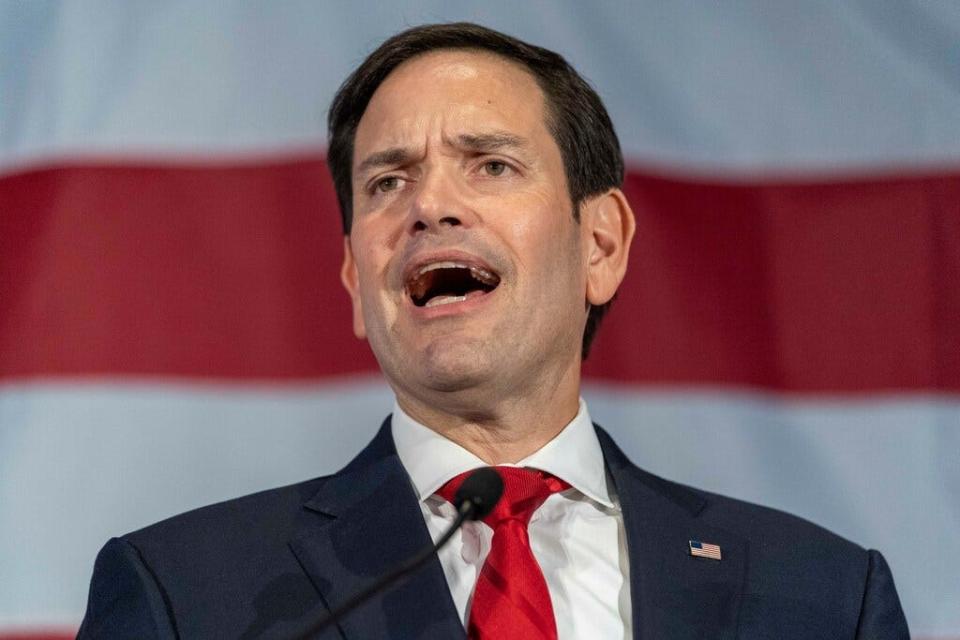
[439, 203]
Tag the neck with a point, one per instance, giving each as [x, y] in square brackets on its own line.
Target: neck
[504, 428]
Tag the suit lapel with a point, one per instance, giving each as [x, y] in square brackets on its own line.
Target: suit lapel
[368, 521]
[674, 595]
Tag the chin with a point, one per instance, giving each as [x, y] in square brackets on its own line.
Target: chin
[456, 367]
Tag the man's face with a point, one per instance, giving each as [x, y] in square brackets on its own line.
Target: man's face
[466, 268]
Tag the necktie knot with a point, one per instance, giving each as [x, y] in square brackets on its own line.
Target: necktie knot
[524, 490]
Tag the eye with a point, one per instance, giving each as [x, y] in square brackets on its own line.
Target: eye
[388, 183]
[494, 168]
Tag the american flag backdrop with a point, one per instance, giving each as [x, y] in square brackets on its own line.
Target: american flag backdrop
[173, 333]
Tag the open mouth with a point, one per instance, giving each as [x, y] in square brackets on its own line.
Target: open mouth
[447, 282]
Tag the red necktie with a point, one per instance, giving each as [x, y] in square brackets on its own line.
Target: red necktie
[511, 599]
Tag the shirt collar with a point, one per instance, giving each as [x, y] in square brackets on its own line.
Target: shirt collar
[574, 455]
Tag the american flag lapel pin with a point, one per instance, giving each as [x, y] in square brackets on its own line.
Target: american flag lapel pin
[704, 550]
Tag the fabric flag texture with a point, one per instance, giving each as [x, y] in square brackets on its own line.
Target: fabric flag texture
[173, 333]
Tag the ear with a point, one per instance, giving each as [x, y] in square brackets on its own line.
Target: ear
[608, 220]
[351, 282]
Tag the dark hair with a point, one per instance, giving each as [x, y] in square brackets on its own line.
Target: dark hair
[575, 115]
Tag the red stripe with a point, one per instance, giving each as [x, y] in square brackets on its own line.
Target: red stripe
[223, 272]
[231, 272]
[846, 286]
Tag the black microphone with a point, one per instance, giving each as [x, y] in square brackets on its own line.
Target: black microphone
[475, 498]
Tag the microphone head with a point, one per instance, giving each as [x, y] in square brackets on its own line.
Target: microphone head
[483, 489]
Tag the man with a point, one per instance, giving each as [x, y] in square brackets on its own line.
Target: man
[478, 178]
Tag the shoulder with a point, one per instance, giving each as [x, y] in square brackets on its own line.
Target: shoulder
[243, 535]
[785, 550]
[225, 569]
[777, 541]
[203, 573]
[797, 571]
[265, 517]
[765, 529]
[783, 557]
[773, 528]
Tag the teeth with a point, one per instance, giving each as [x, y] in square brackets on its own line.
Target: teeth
[483, 275]
[435, 302]
[441, 265]
[479, 273]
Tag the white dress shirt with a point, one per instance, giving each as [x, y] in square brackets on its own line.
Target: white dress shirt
[577, 535]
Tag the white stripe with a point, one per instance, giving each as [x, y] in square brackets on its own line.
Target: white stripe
[817, 86]
[80, 463]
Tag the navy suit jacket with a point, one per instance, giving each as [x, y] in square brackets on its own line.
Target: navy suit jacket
[264, 565]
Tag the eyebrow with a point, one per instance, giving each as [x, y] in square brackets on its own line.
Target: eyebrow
[393, 156]
[485, 142]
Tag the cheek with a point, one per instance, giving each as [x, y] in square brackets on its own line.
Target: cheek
[553, 263]
[380, 310]
[372, 270]
[371, 252]
[538, 225]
